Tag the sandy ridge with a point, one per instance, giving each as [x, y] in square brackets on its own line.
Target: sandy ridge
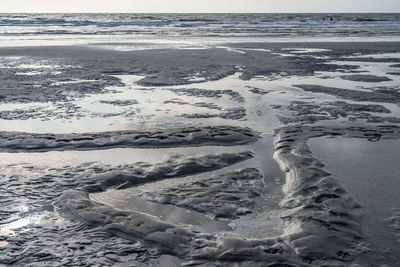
[190, 136]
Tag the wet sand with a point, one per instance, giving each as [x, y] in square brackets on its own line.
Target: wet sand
[313, 192]
[165, 157]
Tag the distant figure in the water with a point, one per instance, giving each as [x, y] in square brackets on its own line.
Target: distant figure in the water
[331, 19]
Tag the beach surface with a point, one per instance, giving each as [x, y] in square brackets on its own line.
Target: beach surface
[232, 154]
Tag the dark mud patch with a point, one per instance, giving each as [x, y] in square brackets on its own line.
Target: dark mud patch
[300, 66]
[394, 73]
[257, 91]
[311, 112]
[238, 113]
[225, 196]
[120, 102]
[191, 136]
[371, 59]
[378, 95]
[132, 175]
[63, 110]
[197, 92]
[180, 77]
[178, 101]
[207, 105]
[365, 78]
[229, 113]
[39, 79]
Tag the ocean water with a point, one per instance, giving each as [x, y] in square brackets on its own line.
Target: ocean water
[195, 29]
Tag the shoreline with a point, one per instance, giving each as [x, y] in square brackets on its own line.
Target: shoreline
[383, 44]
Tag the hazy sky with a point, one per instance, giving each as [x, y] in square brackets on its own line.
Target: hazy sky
[199, 6]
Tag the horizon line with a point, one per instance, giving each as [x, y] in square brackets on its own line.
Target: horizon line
[97, 12]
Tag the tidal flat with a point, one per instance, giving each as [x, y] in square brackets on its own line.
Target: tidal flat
[213, 156]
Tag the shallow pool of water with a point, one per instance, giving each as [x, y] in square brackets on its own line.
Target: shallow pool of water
[370, 171]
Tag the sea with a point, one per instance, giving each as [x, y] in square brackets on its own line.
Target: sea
[194, 30]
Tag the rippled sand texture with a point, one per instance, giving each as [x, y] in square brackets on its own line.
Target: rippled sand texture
[170, 157]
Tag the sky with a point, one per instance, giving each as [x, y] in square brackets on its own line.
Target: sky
[199, 6]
